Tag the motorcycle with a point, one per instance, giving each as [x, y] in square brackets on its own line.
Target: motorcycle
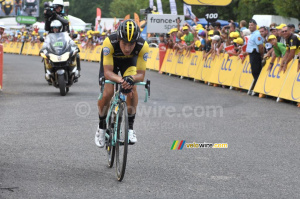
[60, 54]
[30, 7]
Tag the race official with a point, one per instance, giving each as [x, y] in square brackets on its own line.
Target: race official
[255, 49]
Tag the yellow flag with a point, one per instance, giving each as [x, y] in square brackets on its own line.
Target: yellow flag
[137, 19]
[208, 2]
[127, 17]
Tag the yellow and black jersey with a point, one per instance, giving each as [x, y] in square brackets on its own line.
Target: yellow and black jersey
[293, 43]
[128, 65]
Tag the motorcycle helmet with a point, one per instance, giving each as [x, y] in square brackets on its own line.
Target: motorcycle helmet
[55, 24]
[57, 3]
[128, 31]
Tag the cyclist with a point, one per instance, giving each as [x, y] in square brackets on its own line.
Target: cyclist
[127, 52]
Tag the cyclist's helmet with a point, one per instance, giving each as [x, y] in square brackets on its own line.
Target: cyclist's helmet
[128, 31]
[56, 24]
[57, 3]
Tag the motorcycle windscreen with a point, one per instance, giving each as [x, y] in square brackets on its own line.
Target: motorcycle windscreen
[59, 43]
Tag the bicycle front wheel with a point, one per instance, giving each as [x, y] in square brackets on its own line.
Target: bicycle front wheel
[109, 147]
[122, 141]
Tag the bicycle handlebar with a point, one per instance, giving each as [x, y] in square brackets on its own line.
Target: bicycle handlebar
[146, 84]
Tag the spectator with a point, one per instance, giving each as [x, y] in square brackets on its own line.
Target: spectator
[267, 46]
[215, 45]
[246, 35]
[274, 31]
[243, 25]
[162, 39]
[232, 27]
[180, 46]
[171, 38]
[238, 43]
[256, 51]
[291, 27]
[280, 33]
[232, 36]
[99, 26]
[264, 32]
[279, 50]
[224, 42]
[2, 28]
[217, 27]
[189, 39]
[292, 46]
[202, 36]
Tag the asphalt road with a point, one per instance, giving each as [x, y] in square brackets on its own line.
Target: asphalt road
[47, 145]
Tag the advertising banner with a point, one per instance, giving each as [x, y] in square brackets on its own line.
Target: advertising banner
[163, 23]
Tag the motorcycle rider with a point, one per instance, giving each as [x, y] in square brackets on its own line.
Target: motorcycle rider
[56, 14]
[56, 27]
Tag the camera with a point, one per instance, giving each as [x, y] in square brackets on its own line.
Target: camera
[48, 9]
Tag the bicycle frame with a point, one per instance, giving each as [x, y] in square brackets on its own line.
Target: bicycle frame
[115, 103]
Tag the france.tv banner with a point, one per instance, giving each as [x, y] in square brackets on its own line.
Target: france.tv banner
[11, 8]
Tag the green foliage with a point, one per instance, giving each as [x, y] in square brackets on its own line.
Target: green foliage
[287, 8]
[121, 8]
[237, 10]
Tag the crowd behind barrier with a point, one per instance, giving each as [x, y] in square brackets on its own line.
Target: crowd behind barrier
[27, 48]
[233, 72]
[219, 70]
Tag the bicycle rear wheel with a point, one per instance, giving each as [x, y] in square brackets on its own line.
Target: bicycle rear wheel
[122, 141]
[109, 148]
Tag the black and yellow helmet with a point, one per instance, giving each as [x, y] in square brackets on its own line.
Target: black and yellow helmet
[128, 31]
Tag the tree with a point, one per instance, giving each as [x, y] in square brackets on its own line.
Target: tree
[287, 8]
[121, 8]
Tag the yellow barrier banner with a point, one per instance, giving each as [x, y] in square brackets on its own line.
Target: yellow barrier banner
[90, 54]
[26, 48]
[14, 48]
[181, 64]
[152, 56]
[228, 68]
[82, 53]
[18, 47]
[97, 53]
[243, 77]
[31, 49]
[194, 64]
[150, 59]
[187, 64]
[205, 70]
[199, 70]
[164, 64]
[5, 47]
[271, 82]
[176, 57]
[215, 66]
[156, 61]
[11, 46]
[169, 61]
[291, 88]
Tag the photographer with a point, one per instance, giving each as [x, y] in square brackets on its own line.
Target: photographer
[56, 14]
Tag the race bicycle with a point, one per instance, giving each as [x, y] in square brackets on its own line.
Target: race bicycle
[117, 126]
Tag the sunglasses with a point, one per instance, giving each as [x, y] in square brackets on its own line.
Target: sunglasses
[56, 27]
[284, 31]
